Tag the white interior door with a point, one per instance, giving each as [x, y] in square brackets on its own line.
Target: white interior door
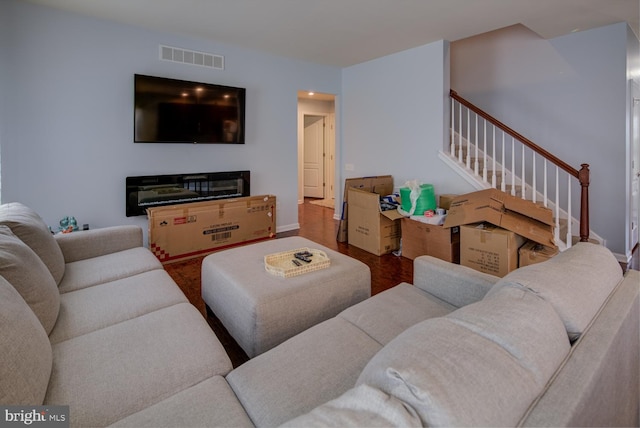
[313, 156]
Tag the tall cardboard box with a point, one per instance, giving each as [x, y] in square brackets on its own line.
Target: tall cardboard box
[369, 227]
[181, 232]
[532, 252]
[489, 249]
[419, 239]
[380, 184]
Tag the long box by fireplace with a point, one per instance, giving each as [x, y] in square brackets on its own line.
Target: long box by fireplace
[181, 232]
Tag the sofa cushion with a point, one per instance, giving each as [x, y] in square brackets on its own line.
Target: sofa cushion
[27, 225]
[25, 351]
[211, 403]
[380, 318]
[362, 406]
[570, 283]
[89, 309]
[302, 373]
[109, 267]
[28, 274]
[521, 323]
[472, 367]
[116, 371]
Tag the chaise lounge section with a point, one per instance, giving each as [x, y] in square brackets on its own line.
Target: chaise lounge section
[91, 320]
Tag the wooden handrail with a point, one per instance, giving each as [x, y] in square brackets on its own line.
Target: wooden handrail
[583, 175]
[524, 140]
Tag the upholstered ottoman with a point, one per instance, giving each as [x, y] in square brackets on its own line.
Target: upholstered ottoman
[261, 310]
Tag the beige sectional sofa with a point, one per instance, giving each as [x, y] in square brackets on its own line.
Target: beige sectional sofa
[91, 320]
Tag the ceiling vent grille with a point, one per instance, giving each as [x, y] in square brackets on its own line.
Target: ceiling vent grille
[203, 59]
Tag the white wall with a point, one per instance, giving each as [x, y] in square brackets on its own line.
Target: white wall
[394, 116]
[66, 130]
[633, 140]
[4, 43]
[568, 95]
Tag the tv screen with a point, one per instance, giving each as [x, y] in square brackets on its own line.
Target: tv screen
[178, 111]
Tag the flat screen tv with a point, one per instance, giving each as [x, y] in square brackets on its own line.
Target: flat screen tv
[179, 111]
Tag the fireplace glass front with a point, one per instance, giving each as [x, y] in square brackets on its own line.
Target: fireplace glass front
[143, 192]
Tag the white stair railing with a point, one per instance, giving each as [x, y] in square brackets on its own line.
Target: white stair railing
[475, 131]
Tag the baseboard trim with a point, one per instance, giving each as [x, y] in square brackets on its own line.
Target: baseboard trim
[624, 260]
[287, 227]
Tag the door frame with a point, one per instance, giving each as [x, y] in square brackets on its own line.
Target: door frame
[325, 108]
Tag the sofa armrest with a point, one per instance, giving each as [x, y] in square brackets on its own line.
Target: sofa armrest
[598, 383]
[98, 242]
[455, 284]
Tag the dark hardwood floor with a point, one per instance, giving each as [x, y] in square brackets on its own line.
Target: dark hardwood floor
[318, 225]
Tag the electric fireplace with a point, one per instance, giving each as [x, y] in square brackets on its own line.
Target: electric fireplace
[149, 191]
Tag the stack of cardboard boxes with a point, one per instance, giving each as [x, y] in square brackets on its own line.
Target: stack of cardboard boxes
[488, 230]
[497, 229]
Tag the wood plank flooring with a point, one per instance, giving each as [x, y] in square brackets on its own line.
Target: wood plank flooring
[318, 225]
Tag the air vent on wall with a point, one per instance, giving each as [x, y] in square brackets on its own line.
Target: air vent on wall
[168, 53]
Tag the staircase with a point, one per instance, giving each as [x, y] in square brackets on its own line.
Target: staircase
[489, 154]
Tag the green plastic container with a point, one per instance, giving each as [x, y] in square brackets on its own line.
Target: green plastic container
[426, 200]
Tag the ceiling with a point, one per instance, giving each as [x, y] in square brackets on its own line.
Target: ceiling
[347, 32]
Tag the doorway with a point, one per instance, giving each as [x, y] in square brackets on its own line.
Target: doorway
[316, 148]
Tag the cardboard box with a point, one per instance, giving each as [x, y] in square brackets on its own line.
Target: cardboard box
[180, 232]
[532, 252]
[369, 228]
[380, 184]
[419, 239]
[523, 217]
[444, 200]
[489, 249]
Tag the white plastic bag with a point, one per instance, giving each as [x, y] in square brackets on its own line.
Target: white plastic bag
[416, 190]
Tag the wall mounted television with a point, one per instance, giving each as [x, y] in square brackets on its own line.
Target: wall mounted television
[179, 111]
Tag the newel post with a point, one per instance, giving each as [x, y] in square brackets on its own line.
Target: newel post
[583, 177]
